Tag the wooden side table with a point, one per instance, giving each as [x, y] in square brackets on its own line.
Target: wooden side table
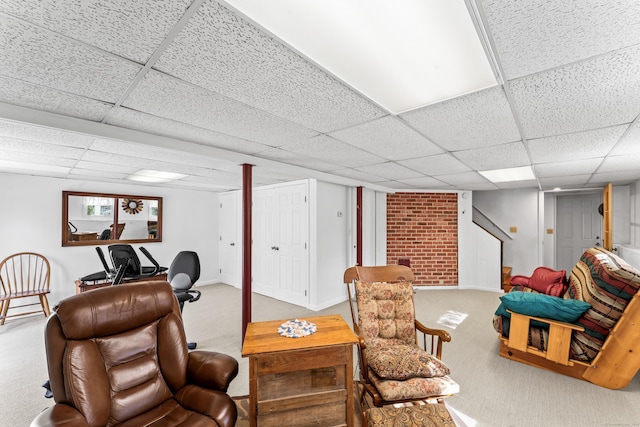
[301, 381]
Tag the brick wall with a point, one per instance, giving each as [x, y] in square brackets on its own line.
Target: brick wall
[424, 228]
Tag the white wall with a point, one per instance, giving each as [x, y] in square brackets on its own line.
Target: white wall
[549, 240]
[634, 214]
[31, 218]
[621, 210]
[515, 208]
[467, 252]
[330, 205]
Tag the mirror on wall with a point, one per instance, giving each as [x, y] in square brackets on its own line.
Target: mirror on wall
[100, 218]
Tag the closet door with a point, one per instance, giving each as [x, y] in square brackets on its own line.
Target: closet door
[230, 243]
[280, 245]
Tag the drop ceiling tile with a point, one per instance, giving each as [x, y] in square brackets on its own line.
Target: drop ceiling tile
[357, 175]
[390, 170]
[264, 174]
[106, 167]
[589, 144]
[532, 36]
[331, 150]
[573, 181]
[464, 180]
[601, 92]
[198, 186]
[161, 154]
[478, 119]
[199, 107]
[497, 157]
[626, 176]
[425, 183]
[396, 185]
[222, 52]
[440, 164]
[566, 168]
[132, 29]
[297, 159]
[148, 123]
[224, 179]
[92, 173]
[40, 57]
[620, 163]
[36, 169]
[24, 94]
[41, 159]
[124, 160]
[34, 133]
[529, 183]
[387, 137]
[630, 143]
[39, 148]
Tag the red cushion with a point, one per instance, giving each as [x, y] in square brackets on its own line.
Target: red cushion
[549, 281]
[519, 281]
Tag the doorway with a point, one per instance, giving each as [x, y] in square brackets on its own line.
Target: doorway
[579, 227]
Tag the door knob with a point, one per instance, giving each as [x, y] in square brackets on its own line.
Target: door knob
[232, 244]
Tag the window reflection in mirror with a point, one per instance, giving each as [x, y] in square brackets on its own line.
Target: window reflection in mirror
[98, 218]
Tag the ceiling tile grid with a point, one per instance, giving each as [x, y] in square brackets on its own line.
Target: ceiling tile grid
[629, 162]
[479, 119]
[567, 168]
[440, 164]
[597, 93]
[38, 56]
[23, 94]
[160, 154]
[199, 107]
[40, 148]
[331, 150]
[133, 30]
[495, 157]
[390, 170]
[593, 143]
[136, 120]
[227, 55]
[24, 132]
[298, 159]
[573, 181]
[537, 35]
[387, 137]
[223, 91]
[630, 143]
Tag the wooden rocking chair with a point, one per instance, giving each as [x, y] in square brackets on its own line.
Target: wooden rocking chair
[384, 321]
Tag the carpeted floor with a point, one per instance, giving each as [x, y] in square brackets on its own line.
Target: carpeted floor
[494, 392]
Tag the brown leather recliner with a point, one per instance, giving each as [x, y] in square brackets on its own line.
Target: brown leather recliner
[117, 356]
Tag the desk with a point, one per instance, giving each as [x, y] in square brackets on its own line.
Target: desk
[95, 284]
[81, 236]
[300, 381]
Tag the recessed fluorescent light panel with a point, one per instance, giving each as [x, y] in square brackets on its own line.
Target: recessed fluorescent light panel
[147, 175]
[400, 54]
[523, 173]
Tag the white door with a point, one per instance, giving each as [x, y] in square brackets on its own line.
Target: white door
[579, 227]
[280, 245]
[230, 243]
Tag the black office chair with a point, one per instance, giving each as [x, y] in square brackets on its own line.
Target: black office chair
[183, 273]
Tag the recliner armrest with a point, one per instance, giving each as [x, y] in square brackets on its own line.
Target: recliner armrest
[60, 415]
[211, 370]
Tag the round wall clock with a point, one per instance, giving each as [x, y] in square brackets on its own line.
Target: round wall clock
[132, 206]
